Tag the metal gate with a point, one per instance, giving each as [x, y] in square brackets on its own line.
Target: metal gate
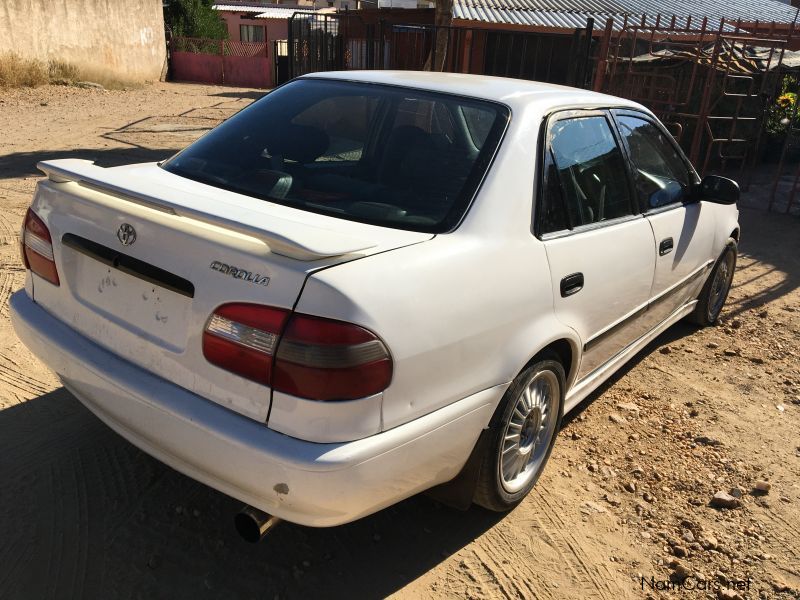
[280, 62]
[329, 42]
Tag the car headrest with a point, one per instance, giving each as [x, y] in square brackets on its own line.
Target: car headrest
[301, 143]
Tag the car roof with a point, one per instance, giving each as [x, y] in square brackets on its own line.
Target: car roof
[513, 92]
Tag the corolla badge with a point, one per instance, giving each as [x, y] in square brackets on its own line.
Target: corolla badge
[237, 273]
[126, 234]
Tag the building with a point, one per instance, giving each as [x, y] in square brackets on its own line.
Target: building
[107, 40]
[257, 22]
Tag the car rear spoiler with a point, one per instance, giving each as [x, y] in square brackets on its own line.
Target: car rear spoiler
[283, 236]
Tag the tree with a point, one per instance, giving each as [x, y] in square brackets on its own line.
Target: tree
[443, 17]
[194, 18]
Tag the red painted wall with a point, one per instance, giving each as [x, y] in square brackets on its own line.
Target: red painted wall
[245, 71]
[248, 71]
[202, 68]
[275, 29]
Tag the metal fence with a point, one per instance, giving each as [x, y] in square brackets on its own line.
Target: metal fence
[218, 47]
[222, 62]
[714, 87]
[323, 42]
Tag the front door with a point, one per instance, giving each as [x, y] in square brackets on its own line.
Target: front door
[599, 246]
[683, 231]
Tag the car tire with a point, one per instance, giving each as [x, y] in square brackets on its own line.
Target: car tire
[715, 291]
[522, 433]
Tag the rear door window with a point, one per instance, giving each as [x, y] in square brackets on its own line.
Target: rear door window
[584, 172]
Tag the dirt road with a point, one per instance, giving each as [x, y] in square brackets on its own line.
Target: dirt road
[83, 514]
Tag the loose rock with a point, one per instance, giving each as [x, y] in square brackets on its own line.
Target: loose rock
[629, 406]
[707, 441]
[679, 571]
[680, 551]
[724, 500]
[762, 486]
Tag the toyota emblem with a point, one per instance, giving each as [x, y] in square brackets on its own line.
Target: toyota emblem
[126, 234]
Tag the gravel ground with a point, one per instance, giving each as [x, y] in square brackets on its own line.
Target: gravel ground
[624, 510]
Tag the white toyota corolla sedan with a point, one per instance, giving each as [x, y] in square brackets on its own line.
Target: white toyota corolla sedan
[368, 284]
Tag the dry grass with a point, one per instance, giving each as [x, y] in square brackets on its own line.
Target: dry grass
[60, 71]
[16, 71]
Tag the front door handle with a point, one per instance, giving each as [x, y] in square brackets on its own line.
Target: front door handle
[665, 247]
[571, 284]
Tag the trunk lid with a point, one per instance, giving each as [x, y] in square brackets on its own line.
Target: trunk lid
[145, 256]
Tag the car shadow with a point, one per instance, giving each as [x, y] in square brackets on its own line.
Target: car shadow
[23, 164]
[246, 95]
[769, 259]
[678, 331]
[86, 514]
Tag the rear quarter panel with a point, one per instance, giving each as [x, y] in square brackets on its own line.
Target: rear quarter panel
[458, 314]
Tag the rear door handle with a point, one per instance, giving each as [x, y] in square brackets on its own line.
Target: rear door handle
[571, 284]
[665, 247]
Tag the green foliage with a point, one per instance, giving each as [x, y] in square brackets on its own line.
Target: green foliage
[194, 18]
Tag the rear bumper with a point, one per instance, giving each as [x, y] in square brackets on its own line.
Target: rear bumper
[303, 482]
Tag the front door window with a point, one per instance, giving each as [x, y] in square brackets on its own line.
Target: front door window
[660, 174]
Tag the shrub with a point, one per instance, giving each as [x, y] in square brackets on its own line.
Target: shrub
[16, 71]
[63, 71]
[194, 18]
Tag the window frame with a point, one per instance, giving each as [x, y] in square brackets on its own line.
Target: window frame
[694, 178]
[543, 148]
[253, 27]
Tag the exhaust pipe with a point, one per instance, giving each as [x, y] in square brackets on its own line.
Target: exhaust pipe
[253, 524]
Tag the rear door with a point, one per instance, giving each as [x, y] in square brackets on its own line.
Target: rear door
[599, 246]
[683, 231]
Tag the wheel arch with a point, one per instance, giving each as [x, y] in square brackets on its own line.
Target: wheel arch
[458, 492]
[565, 346]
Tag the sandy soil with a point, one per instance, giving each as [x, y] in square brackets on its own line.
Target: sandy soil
[625, 495]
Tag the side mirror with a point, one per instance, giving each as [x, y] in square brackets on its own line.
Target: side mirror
[718, 189]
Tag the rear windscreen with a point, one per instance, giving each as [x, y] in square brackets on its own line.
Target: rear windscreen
[378, 154]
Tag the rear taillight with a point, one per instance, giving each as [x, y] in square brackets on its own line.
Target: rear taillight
[323, 359]
[242, 338]
[37, 248]
[305, 356]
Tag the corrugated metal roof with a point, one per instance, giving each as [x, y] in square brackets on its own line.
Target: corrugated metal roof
[283, 12]
[573, 13]
[253, 8]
